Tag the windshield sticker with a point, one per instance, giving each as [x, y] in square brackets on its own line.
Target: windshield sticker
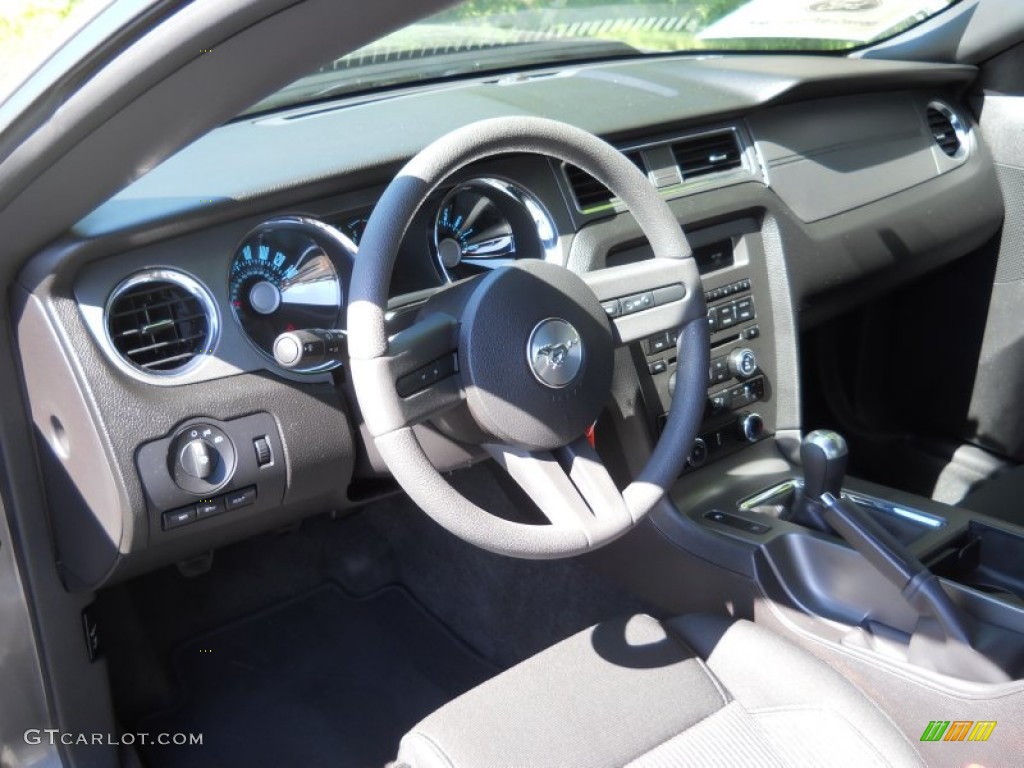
[858, 21]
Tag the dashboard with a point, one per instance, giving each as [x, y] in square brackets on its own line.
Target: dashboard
[166, 426]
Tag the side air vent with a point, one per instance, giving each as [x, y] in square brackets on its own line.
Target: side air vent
[711, 153]
[946, 129]
[591, 193]
[161, 322]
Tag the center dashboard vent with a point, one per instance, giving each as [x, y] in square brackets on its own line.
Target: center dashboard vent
[590, 193]
[711, 153]
[161, 322]
[696, 156]
[946, 129]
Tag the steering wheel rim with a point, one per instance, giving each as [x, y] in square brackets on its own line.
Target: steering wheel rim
[568, 482]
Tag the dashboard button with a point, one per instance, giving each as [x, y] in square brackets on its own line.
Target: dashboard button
[658, 366]
[611, 308]
[726, 316]
[658, 343]
[745, 310]
[240, 498]
[209, 508]
[178, 517]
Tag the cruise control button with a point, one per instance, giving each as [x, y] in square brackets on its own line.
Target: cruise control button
[426, 376]
[636, 303]
[242, 498]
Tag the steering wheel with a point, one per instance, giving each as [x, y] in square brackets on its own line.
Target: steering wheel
[520, 360]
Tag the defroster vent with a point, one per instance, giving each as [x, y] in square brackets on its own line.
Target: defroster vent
[161, 322]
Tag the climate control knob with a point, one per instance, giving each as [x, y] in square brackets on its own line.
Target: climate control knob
[751, 427]
[742, 363]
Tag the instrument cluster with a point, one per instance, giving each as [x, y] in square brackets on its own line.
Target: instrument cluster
[291, 273]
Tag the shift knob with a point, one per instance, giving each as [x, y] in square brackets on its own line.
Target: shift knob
[823, 454]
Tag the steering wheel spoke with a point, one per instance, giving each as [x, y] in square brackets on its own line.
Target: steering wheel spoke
[648, 297]
[423, 368]
[570, 486]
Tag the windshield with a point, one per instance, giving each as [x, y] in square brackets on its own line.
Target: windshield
[479, 36]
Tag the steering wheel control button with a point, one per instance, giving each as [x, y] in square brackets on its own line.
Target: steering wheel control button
[427, 376]
[198, 459]
[669, 293]
[637, 302]
[241, 498]
[209, 508]
[202, 459]
[178, 517]
[555, 352]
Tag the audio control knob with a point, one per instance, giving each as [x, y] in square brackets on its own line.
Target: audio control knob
[742, 363]
[751, 427]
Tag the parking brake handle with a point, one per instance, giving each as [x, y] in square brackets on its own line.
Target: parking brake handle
[918, 585]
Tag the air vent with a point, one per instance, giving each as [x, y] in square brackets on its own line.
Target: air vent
[711, 153]
[161, 322]
[591, 193]
[946, 129]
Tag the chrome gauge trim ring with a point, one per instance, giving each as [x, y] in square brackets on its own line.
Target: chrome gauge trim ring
[339, 250]
[490, 187]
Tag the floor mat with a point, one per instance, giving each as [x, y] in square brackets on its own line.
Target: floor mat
[322, 680]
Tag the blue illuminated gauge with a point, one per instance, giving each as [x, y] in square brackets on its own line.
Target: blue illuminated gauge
[487, 223]
[284, 276]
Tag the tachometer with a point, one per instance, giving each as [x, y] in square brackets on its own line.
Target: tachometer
[486, 223]
[284, 277]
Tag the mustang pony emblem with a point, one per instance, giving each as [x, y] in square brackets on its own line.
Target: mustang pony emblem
[555, 352]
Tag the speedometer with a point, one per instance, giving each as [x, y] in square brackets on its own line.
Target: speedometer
[284, 276]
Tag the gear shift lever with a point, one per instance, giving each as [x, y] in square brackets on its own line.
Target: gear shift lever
[946, 636]
[823, 454]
